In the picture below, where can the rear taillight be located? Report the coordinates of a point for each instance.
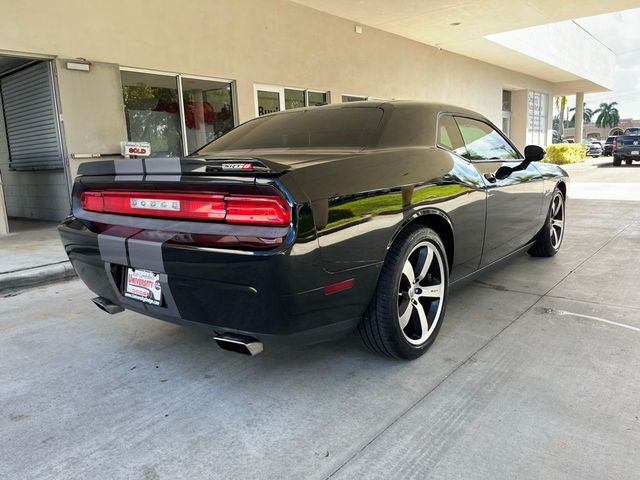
(247, 209)
(254, 209)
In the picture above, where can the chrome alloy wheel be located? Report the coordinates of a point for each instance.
(421, 293)
(557, 220)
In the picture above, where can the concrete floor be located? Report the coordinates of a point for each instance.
(31, 243)
(535, 374)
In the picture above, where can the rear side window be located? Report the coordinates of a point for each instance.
(449, 136)
(483, 142)
(316, 127)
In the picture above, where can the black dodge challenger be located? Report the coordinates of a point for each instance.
(305, 225)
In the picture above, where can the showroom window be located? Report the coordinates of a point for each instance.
(270, 99)
(537, 119)
(353, 98)
(176, 114)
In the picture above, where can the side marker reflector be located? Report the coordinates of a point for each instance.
(338, 286)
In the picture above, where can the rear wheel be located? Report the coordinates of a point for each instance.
(628, 162)
(549, 239)
(617, 161)
(406, 312)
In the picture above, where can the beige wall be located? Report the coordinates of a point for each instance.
(267, 41)
(93, 111)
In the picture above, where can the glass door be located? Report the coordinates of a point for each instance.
(152, 112)
(208, 110)
(506, 123)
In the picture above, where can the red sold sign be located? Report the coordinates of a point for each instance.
(141, 149)
(137, 151)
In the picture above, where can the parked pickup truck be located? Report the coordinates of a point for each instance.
(627, 148)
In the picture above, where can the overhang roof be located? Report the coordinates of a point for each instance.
(433, 23)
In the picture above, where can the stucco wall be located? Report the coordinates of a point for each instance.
(270, 41)
(93, 111)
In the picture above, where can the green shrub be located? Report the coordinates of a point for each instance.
(563, 153)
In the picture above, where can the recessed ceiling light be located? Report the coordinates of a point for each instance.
(454, 24)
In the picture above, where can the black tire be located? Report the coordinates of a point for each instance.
(628, 162)
(547, 243)
(380, 328)
(617, 161)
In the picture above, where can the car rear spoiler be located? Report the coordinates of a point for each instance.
(183, 166)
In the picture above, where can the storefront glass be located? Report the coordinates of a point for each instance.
(293, 98)
(268, 102)
(316, 98)
(537, 119)
(152, 112)
(208, 111)
(273, 98)
(352, 98)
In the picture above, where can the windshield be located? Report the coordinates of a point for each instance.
(315, 127)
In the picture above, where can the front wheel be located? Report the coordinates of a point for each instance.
(628, 162)
(549, 239)
(617, 161)
(405, 315)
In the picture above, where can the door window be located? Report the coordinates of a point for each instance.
(483, 142)
(449, 136)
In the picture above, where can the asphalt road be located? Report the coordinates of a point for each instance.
(535, 374)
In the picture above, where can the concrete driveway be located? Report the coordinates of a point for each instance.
(535, 374)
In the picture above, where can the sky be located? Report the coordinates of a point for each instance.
(620, 32)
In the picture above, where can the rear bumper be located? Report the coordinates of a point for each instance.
(276, 296)
(626, 154)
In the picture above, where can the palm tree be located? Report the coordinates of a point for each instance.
(608, 115)
(561, 105)
(586, 115)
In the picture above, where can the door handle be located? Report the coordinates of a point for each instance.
(490, 177)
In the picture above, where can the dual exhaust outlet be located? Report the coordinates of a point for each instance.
(230, 342)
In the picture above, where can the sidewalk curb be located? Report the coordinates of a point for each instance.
(37, 276)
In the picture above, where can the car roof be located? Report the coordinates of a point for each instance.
(434, 107)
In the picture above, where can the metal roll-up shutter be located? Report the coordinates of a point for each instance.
(31, 119)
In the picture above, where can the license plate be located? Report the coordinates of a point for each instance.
(143, 285)
(635, 152)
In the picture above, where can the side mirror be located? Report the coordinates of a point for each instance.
(533, 153)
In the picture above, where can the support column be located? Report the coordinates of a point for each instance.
(579, 117)
(4, 223)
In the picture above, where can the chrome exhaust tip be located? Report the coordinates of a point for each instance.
(107, 306)
(239, 344)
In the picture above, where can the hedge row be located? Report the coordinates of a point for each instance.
(563, 153)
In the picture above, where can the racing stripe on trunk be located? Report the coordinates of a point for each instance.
(163, 169)
(129, 169)
(145, 251)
